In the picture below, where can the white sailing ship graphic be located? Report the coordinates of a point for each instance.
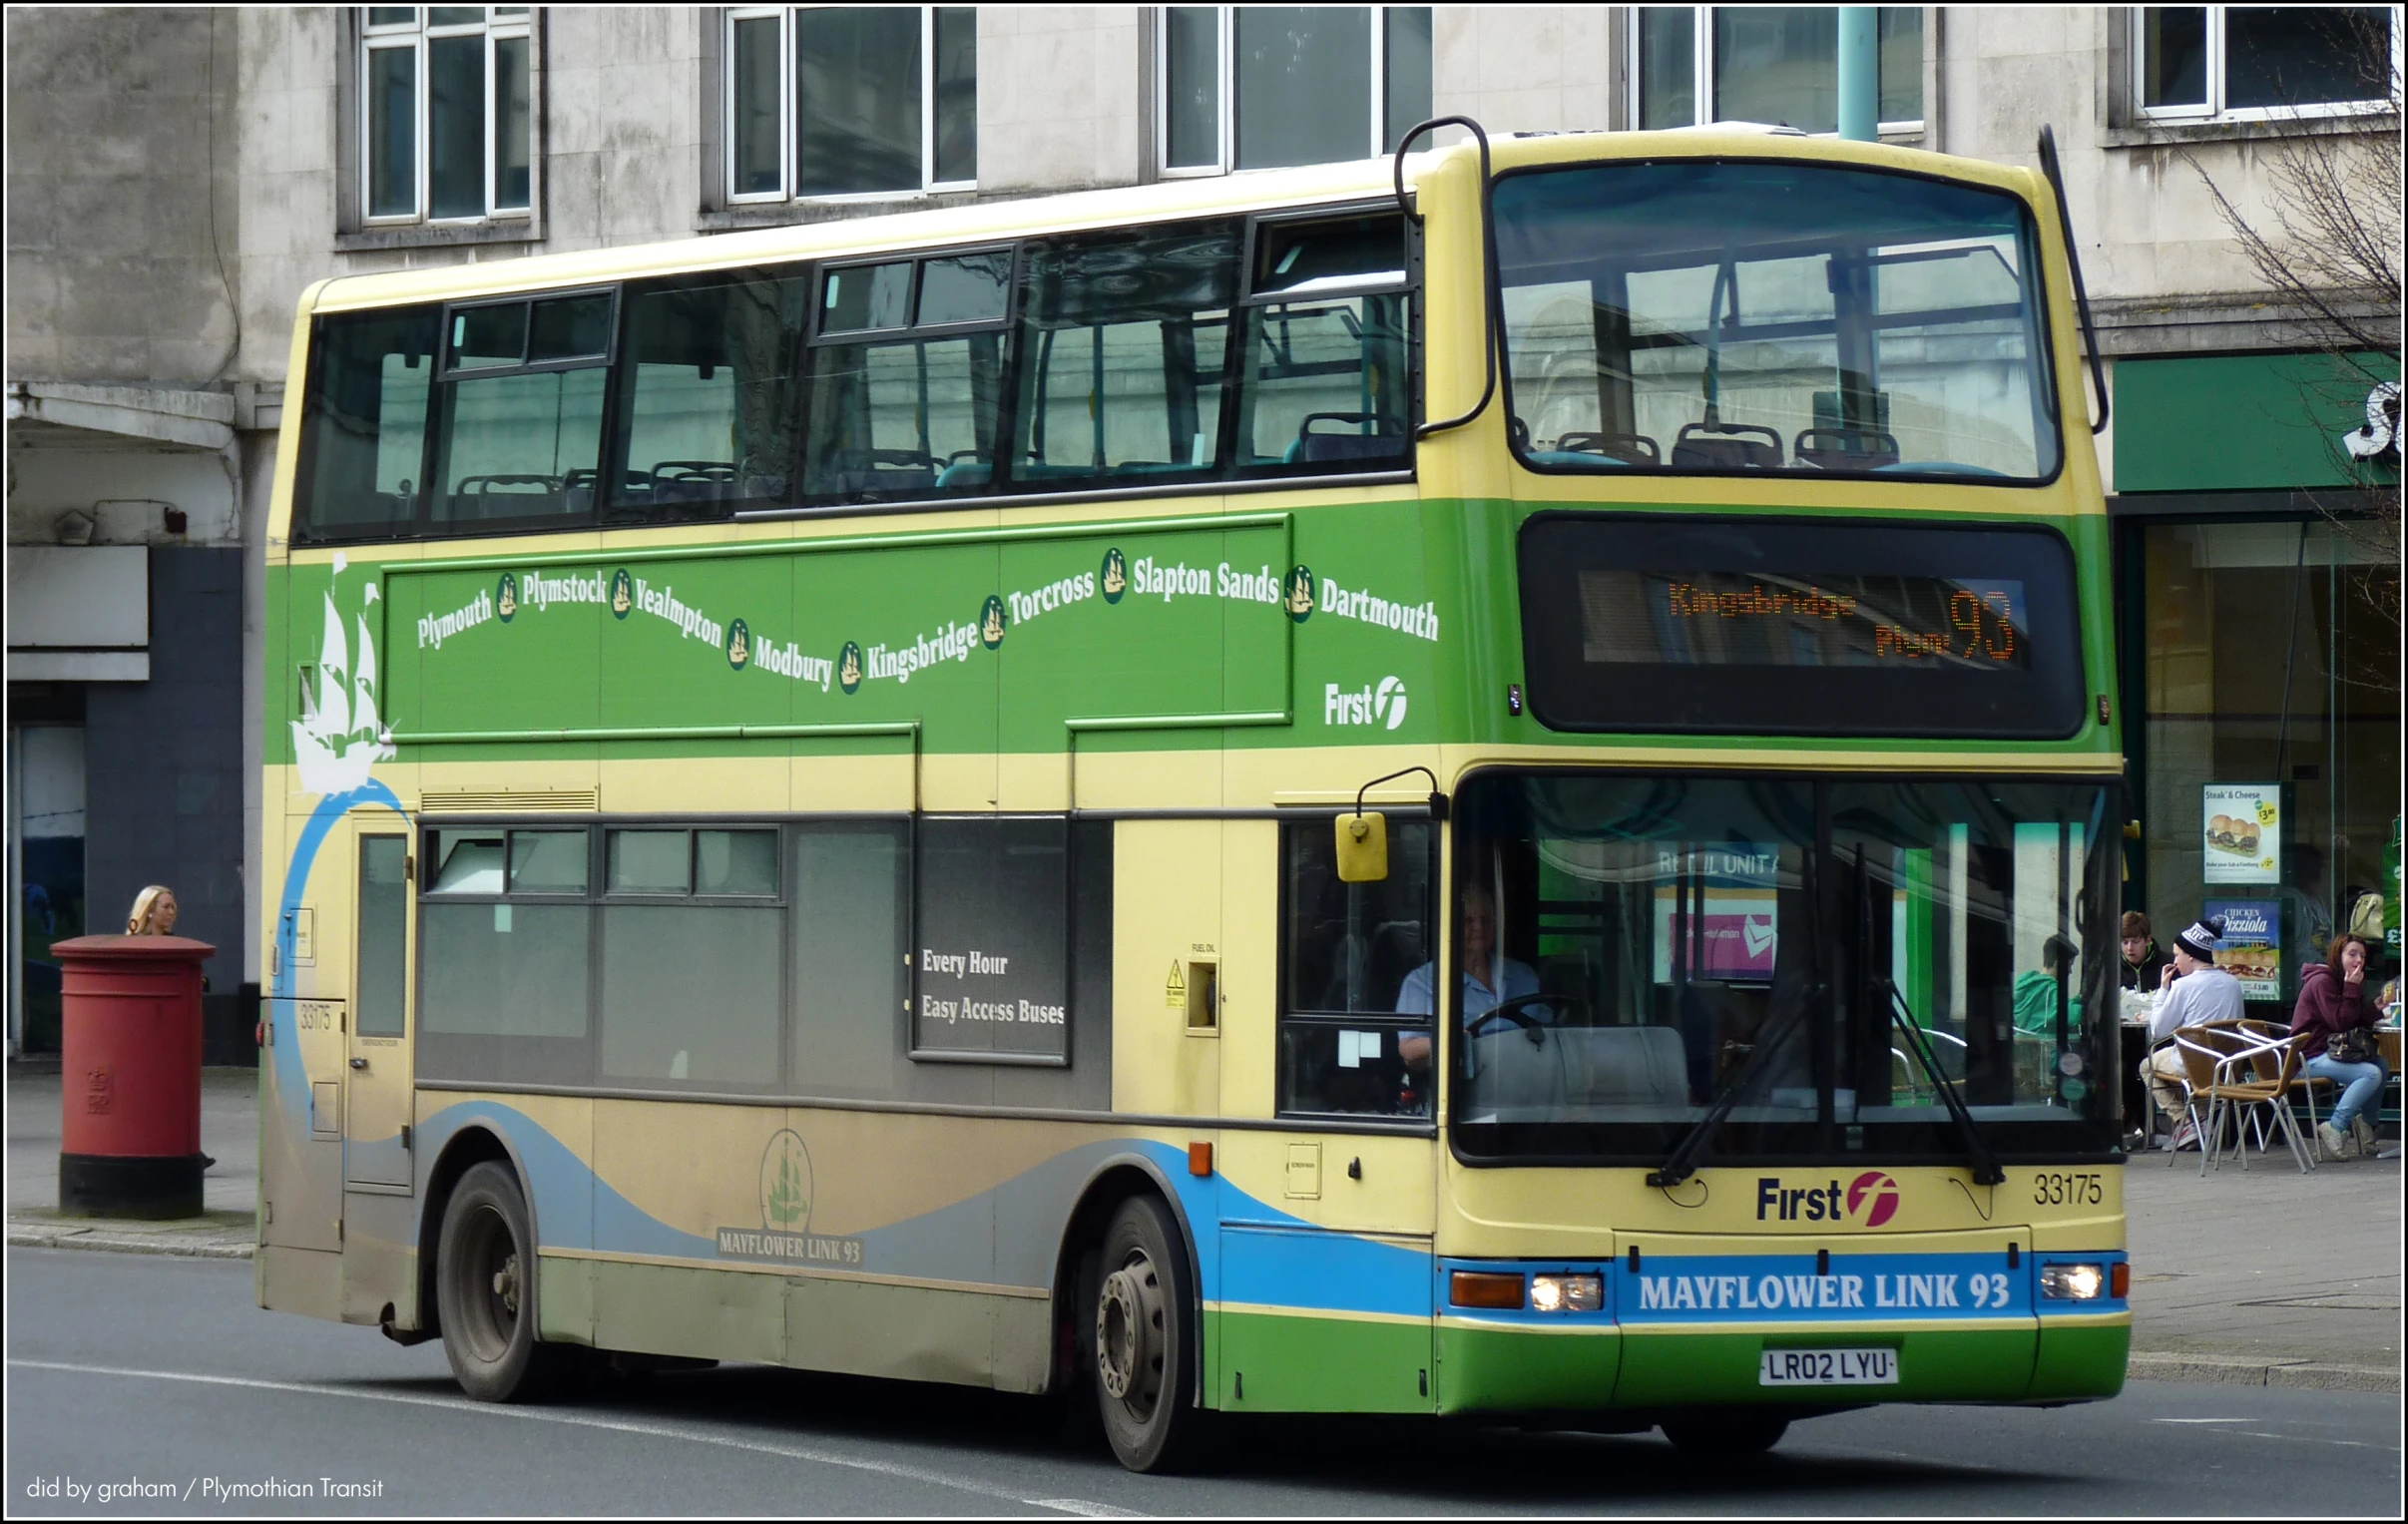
(339, 736)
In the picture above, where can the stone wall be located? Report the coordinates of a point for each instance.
(121, 204)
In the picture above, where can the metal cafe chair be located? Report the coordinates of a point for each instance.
(2222, 1063)
(2304, 1083)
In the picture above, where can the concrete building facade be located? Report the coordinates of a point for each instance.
(178, 178)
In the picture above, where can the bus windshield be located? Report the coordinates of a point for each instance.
(1822, 955)
(1704, 316)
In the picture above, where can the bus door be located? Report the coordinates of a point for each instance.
(301, 1089)
(376, 1078)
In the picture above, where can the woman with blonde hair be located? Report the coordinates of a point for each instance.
(154, 913)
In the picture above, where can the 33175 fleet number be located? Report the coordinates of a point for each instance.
(2057, 1188)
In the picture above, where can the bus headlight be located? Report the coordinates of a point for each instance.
(1567, 1293)
(2073, 1283)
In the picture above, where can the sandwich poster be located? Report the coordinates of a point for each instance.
(2251, 949)
(2242, 833)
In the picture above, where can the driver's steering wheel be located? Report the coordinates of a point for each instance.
(1532, 1027)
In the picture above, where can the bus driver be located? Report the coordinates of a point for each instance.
(1489, 980)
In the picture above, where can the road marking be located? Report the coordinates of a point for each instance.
(1077, 1506)
(2355, 1444)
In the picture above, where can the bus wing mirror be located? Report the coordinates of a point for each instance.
(1363, 847)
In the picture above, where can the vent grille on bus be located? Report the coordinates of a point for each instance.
(439, 801)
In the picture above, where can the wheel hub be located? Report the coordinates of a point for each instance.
(505, 1283)
(1128, 1322)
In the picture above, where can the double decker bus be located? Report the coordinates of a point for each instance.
(1477, 787)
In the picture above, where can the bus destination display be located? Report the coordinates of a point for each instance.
(1745, 625)
(1722, 618)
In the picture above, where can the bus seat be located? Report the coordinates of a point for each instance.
(965, 473)
(1624, 1066)
(1935, 468)
(1517, 1079)
(1728, 447)
(1621, 448)
(693, 481)
(1573, 458)
(1846, 449)
(1311, 448)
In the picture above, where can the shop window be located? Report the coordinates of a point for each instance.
(706, 397)
(447, 113)
(1773, 64)
(850, 100)
(1261, 87)
(2243, 63)
(1359, 1002)
(2270, 660)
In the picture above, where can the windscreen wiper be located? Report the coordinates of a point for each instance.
(1683, 1162)
(1977, 1148)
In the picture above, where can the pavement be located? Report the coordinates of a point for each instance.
(2260, 1276)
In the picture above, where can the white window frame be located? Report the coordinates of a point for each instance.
(414, 34)
(1226, 87)
(789, 123)
(1701, 65)
(2213, 108)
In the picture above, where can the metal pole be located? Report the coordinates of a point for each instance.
(1859, 73)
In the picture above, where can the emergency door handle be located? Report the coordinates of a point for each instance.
(359, 1063)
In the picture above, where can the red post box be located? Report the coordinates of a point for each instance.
(130, 1071)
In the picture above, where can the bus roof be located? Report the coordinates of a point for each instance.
(1206, 195)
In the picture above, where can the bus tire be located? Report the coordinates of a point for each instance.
(1730, 1433)
(485, 1289)
(1145, 1342)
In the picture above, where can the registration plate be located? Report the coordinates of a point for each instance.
(1828, 1367)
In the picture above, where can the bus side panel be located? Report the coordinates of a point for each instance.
(301, 1280)
(915, 1333)
(688, 1310)
(1166, 879)
(1487, 1368)
(1310, 1321)
(379, 1255)
(2083, 1357)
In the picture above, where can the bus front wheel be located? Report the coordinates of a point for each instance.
(1144, 1341)
(1729, 1434)
(485, 1292)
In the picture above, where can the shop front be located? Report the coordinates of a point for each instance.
(2258, 585)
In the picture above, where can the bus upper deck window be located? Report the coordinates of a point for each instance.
(363, 449)
(1712, 316)
(1352, 253)
(861, 297)
(570, 327)
(966, 288)
(490, 335)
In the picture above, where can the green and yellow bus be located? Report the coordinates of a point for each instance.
(1477, 787)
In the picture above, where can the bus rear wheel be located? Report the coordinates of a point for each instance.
(485, 1292)
(1730, 1434)
(1145, 1340)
